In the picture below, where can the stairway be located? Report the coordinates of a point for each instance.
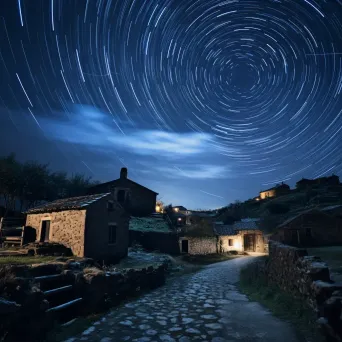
(64, 303)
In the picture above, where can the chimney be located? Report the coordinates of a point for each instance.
(123, 173)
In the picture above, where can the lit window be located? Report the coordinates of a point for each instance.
(112, 233)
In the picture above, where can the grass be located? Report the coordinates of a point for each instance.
(25, 260)
(281, 304)
(149, 224)
(207, 259)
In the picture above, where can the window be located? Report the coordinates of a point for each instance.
(308, 232)
(230, 242)
(110, 205)
(112, 234)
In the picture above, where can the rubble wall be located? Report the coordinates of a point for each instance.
(308, 277)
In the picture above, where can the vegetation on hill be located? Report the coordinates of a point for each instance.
(273, 211)
(149, 224)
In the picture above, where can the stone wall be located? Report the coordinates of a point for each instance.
(307, 277)
(200, 245)
(66, 227)
(23, 304)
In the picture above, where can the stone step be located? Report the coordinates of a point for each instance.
(57, 290)
(65, 305)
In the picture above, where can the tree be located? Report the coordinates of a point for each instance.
(78, 185)
(9, 180)
(33, 181)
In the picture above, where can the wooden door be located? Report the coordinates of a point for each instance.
(45, 232)
(249, 242)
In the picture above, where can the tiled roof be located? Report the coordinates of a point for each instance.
(223, 230)
(245, 225)
(296, 216)
(67, 204)
(332, 207)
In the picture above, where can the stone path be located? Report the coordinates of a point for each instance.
(205, 306)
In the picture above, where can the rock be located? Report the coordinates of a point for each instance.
(323, 290)
(8, 307)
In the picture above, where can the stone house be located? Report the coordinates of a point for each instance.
(304, 183)
(241, 236)
(275, 191)
(94, 226)
(312, 227)
(135, 198)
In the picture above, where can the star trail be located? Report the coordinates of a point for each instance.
(223, 96)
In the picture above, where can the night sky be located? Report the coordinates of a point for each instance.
(204, 101)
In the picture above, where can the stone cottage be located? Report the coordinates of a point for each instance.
(278, 190)
(94, 226)
(313, 227)
(135, 198)
(241, 236)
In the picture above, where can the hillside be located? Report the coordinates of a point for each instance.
(274, 211)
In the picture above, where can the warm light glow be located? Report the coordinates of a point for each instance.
(158, 209)
(176, 210)
(179, 219)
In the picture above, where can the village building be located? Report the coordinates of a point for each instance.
(94, 226)
(304, 183)
(313, 227)
(241, 236)
(278, 190)
(135, 198)
(182, 215)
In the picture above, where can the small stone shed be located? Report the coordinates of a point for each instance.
(241, 236)
(313, 227)
(94, 226)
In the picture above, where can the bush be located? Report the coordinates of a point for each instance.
(278, 208)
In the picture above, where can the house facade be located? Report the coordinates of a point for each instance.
(135, 198)
(275, 191)
(94, 226)
(241, 236)
(313, 227)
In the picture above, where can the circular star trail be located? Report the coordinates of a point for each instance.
(263, 78)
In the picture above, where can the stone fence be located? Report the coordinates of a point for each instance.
(307, 277)
(24, 310)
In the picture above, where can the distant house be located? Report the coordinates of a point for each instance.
(241, 236)
(94, 226)
(135, 198)
(312, 227)
(275, 191)
(322, 181)
(182, 215)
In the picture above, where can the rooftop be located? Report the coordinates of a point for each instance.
(149, 224)
(71, 203)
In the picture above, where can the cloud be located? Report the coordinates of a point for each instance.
(90, 127)
(202, 171)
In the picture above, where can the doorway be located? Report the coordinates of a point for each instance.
(121, 196)
(185, 246)
(249, 242)
(45, 232)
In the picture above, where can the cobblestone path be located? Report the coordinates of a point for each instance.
(204, 306)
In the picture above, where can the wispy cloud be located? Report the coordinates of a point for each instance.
(88, 126)
(203, 171)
